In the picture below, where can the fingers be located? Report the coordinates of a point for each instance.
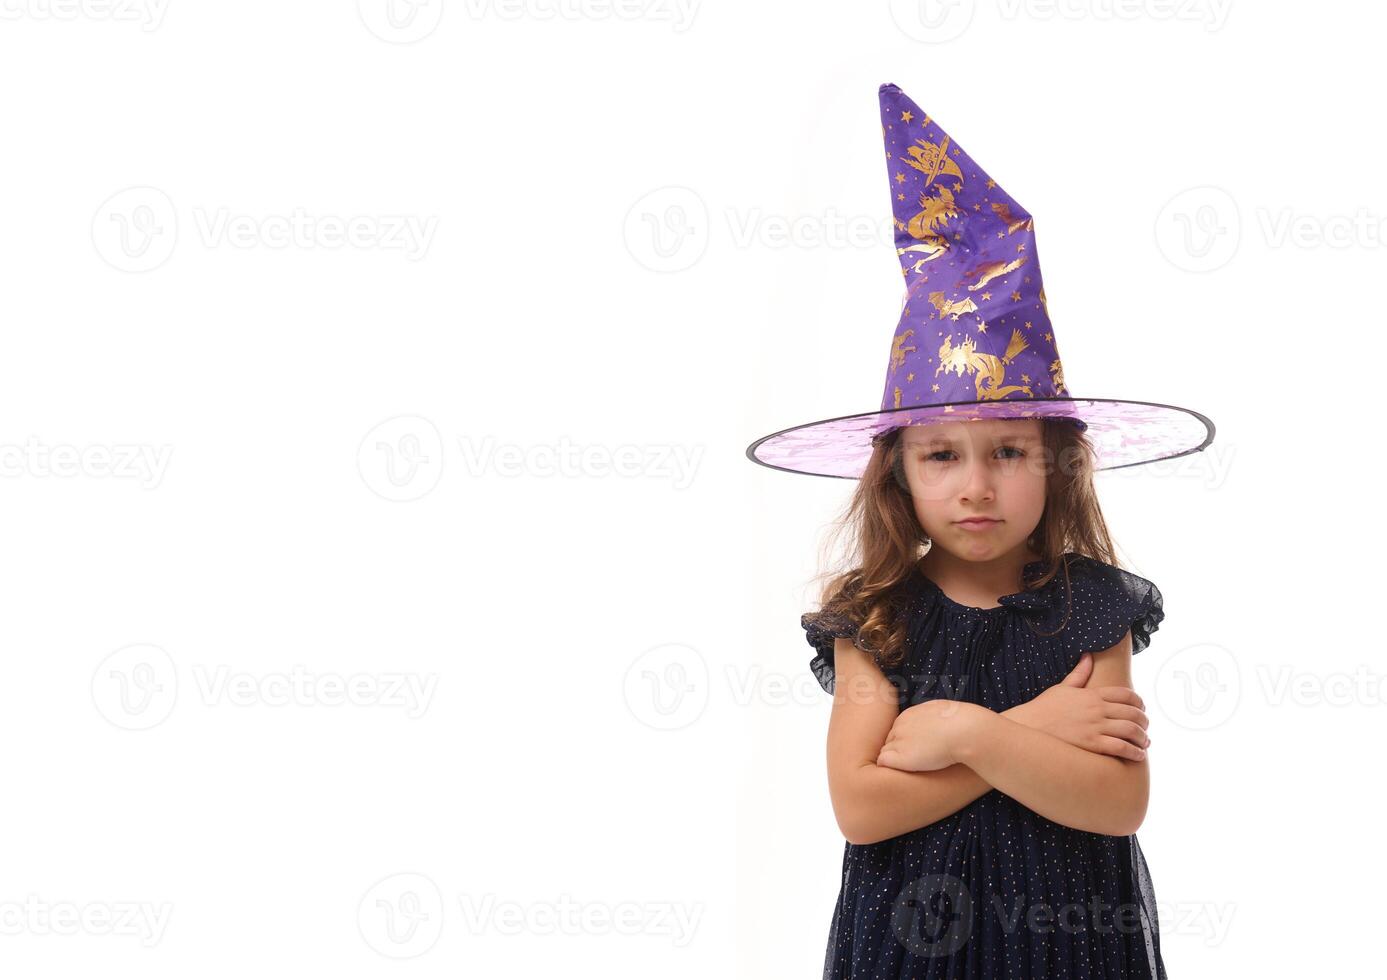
(886, 747)
(1120, 748)
(1125, 712)
(1129, 731)
(1078, 677)
(1123, 695)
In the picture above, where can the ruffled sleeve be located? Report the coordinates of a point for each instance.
(1108, 601)
(820, 631)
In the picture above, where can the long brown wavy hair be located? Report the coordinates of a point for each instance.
(885, 536)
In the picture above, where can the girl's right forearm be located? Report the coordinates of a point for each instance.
(885, 803)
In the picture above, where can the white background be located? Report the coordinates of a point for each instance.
(502, 461)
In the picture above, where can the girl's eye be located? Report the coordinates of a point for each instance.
(933, 457)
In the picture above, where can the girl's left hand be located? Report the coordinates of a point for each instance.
(923, 736)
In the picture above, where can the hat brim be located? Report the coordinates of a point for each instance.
(1123, 433)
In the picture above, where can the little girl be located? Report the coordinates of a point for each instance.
(986, 751)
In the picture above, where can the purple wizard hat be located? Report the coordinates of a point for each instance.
(974, 339)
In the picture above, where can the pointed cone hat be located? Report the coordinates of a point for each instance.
(974, 339)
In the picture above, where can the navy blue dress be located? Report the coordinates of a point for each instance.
(995, 890)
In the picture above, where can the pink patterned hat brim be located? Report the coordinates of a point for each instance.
(1123, 433)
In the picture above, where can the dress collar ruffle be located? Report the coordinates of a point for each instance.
(1041, 604)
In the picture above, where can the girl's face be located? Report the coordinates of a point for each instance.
(991, 468)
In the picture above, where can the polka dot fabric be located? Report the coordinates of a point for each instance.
(995, 890)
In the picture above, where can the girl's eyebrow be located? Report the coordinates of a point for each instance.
(934, 441)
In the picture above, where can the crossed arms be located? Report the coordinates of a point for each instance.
(1074, 754)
